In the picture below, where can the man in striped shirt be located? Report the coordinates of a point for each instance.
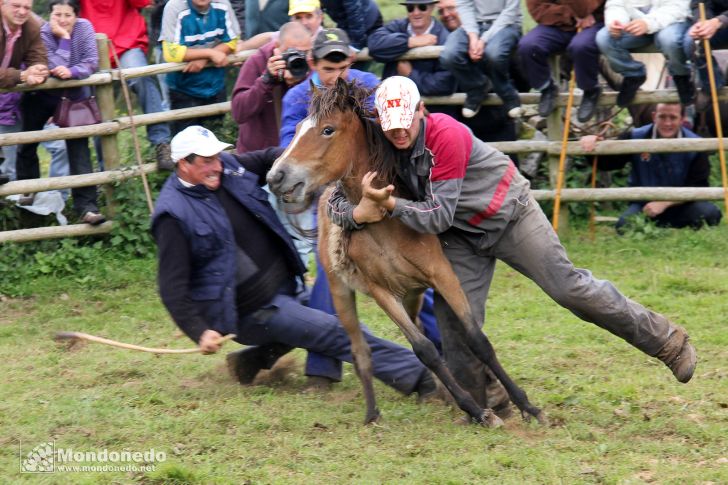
(475, 199)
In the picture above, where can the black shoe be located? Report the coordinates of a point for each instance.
(629, 88)
(245, 364)
(549, 95)
(473, 102)
(588, 104)
(4, 178)
(685, 89)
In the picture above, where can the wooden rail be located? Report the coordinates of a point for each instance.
(111, 126)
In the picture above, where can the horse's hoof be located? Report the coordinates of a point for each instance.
(490, 420)
(372, 417)
(536, 413)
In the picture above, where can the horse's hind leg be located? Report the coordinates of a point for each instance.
(427, 353)
(447, 284)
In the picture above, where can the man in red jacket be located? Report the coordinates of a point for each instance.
(123, 23)
(261, 84)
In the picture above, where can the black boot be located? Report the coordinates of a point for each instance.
(588, 104)
(685, 89)
(549, 95)
(630, 86)
(244, 364)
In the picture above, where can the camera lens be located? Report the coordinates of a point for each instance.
(296, 63)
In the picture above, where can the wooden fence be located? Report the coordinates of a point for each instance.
(111, 126)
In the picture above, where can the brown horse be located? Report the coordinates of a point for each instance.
(386, 260)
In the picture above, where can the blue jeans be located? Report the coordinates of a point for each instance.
(718, 41)
(471, 76)
(161, 78)
(59, 159)
(285, 320)
(690, 214)
(669, 41)
(10, 152)
(148, 94)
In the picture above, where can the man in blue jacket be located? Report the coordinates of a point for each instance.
(331, 58)
(419, 29)
(227, 265)
(687, 169)
(358, 18)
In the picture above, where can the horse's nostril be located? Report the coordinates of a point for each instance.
(275, 177)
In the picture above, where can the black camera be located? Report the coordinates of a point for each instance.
(295, 62)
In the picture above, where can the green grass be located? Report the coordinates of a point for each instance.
(616, 415)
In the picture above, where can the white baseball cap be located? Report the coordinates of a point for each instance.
(396, 101)
(198, 140)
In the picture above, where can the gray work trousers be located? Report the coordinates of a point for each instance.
(529, 245)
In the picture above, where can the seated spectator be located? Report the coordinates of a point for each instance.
(419, 29)
(714, 29)
(558, 23)
(479, 52)
(22, 60)
(358, 18)
(331, 58)
(308, 13)
(123, 23)
(72, 54)
(492, 123)
(263, 81)
(264, 16)
(688, 169)
(198, 32)
(634, 24)
(226, 265)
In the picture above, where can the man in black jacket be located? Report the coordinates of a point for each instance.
(227, 265)
(715, 29)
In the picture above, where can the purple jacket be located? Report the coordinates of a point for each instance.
(79, 54)
(252, 103)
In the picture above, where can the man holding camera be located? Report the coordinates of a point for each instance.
(198, 32)
(263, 80)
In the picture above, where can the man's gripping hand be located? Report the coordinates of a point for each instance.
(210, 341)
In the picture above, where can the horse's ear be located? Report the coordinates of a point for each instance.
(314, 88)
(342, 85)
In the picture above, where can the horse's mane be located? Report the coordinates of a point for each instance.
(352, 96)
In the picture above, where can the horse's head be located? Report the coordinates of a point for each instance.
(325, 145)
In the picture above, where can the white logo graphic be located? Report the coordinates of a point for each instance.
(40, 459)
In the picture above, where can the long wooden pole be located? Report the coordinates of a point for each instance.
(562, 155)
(593, 205)
(716, 111)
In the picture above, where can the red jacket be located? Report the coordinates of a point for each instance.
(561, 13)
(120, 20)
(252, 103)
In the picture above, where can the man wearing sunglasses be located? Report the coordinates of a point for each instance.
(419, 29)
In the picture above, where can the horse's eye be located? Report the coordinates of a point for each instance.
(327, 131)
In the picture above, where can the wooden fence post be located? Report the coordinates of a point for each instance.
(555, 132)
(107, 106)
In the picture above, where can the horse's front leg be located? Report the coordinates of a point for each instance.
(427, 353)
(345, 304)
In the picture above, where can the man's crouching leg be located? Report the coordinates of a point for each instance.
(244, 364)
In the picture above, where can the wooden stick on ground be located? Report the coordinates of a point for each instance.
(716, 110)
(122, 345)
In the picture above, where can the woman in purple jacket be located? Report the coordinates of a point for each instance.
(72, 54)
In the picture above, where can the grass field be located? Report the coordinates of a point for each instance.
(616, 415)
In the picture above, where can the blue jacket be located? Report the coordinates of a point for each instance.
(661, 169)
(295, 102)
(389, 42)
(211, 239)
(357, 17)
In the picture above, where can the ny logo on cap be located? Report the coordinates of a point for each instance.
(394, 103)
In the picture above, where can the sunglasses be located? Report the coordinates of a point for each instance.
(420, 7)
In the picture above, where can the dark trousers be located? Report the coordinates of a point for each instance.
(689, 214)
(37, 108)
(287, 321)
(543, 41)
(178, 100)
